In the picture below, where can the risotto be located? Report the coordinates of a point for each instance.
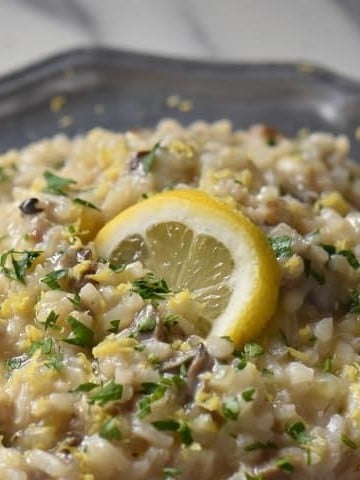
(105, 375)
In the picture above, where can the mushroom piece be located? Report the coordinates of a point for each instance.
(202, 362)
(139, 324)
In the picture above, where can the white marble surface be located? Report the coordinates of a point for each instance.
(326, 32)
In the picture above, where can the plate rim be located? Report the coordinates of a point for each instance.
(107, 56)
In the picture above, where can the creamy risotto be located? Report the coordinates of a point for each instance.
(103, 374)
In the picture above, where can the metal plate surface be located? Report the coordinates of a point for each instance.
(120, 90)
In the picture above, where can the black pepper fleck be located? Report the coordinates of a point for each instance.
(29, 206)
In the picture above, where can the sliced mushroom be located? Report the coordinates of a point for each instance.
(180, 358)
(202, 362)
(137, 326)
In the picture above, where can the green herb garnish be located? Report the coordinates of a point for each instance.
(55, 184)
(110, 430)
(170, 473)
(330, 249)
(348, 254)
(85, 387)
(310, 272)
(148, 159)
(249, 352)
(47, 348)
(151, 288)
(155, 391)
(260, 446)
(248, 395)
(146, 324)
(231, 408)
(85, 203)
(354, 303)
(51, 280)
(82, 335)
(76, 301)
(350, 257)
(167, 425)
(297, 431)
(185, 433)
(15, 263)
(249, 476)
(109, 393)
(282, 246)
(285, 465)
(327, 365)
(348, 442)
(114, 326)
(117, 268)
(50, 321)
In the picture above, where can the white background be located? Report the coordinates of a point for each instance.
(326, 32)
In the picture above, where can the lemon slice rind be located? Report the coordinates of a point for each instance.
(255, 277)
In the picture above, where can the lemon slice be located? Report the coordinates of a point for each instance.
(199, 244)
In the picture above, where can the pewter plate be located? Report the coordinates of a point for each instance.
(120, 90)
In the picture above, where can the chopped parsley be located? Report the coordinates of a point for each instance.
(310, 272)
(156, 391)
(231, 408)
(348, 442)
(114, 326)
(348, 254)
(108, 393)
(248, 395)
(171, 320)
(51, 320)
(85, 387)
(185, 434)
(51, 280)
(167, 425)
(117, 268)
(15, 263)
(330, 249)
(146, 324)
(110, 430)
(170, 473)
(297, 431)
(285, 465)
(282, 246)
(249, 476)
(249, 352)
(47, 348)
(85, 203)
(151, 288)
(56, 185)
(350, 257)
(81, 335)
(327, 365)
(354, 303)
(148, 159)
(76, 301)
(250, 447)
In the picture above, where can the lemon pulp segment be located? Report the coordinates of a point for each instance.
(199, 244)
